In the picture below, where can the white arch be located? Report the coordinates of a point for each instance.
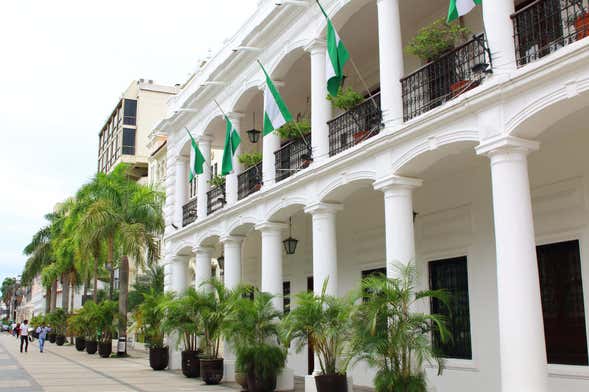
(249, 85)
(282, 204)
(288, 49)
(208, 234)
(239, 222)
(180, 246)
(346, 180)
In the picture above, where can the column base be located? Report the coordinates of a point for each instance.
(229, 370)
(285, 380)
(310, 385)
(175, 362)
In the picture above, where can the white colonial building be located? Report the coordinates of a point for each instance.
(474, 166)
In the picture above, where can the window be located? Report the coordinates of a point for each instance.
(561, 288)
(130, 112)
(286, 297)
(452, 275)
(128, 141)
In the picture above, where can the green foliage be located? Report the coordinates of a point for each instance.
(346, 99)
(106, 320)
(57, 320)
(214, 308)
(263, 360)
(434, 40)
(392, 337)
(325, 321)
(250, 159)
(37, 321)
(294, 129)
(8, 287)
(217, 181)
(86, 320)
(182, 316)
(153, 279)
(149, 317)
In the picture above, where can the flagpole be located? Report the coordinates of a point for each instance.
(219, 106)
(364, 83)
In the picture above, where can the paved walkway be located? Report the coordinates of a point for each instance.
(63, 369)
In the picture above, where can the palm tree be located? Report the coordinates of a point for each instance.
(8, 288)
(129, 217)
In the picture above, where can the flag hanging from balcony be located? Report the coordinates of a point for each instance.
(276, 113)
(338, 56)
(232, 141)
(460, 8)
(197, 160)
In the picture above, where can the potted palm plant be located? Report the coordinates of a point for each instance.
(89, 318)
(106, 317)
(393, 338)
(59, 325)
(77, 327)
(325, 322)
(148, 318)
(253, 331)
(182, 317)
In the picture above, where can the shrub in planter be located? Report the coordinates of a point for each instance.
(77, 327)
(60, 340)
(217, 181)
(106, 316)
(250, 159)
(264, 362)
(392, 338)
(433, 41)
(58, 323)
(346, 99)
(85, 323)
(51, 336)
(294, 129)
(105, 349)
(91, 347)
(80, 343)
(325, 322)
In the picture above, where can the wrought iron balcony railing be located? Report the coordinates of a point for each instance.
(355, 125)
(189, 212)
(250, 181)
(294, 156)
(545, 26)
(216, 199)
(446, 78)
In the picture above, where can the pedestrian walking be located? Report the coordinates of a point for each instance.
(17, 330)
(42, 332)
(24, 335)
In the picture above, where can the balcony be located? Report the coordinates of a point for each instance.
(355, 125)
(446, 78)
(215, 199)
(249, 182)
(294, 156)
(545, 26)
(189, 212)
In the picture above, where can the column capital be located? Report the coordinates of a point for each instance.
(180, 259)
(277, 83)
(323, 208)
(505, 144)
(204, 139)
(232, 239)
(395, 182)
(235, 115)
(203, 250)
(271, 227)
(179, 159)
(316, 45)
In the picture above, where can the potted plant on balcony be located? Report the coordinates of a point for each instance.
(148, 319)
(182, 317)
(252, 329)
(325, 322)
(392, 337)
(106, 318)
(346, 100)
(581, 20)
(294, 129)
(433, 42)
(250, 159)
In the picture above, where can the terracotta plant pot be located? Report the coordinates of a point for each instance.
(582, 26)
(158, 358)
(105, 349)
(332, 383)
(255, 384)
(60, 340)
(91, 347)
(241, 379)
(191, 363)
(80, 343)
(211, 370)
(360, 136)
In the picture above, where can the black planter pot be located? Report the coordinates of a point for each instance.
(256, 384)
(35, 335)
(80, 343)
(60, 340)
(91, 347)
(241, 379)
(158, 358)
(211, 370)
(332, 383)
(191, 363)
(105, 349)
(51, 337)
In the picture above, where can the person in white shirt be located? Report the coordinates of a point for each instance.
(24, 335)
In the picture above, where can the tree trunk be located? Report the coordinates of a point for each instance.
(112, 267)
(72, 292)
(53, 296)
(123, 294)
(47, 300)
(85, 295)
(65, 292)
(95, 294)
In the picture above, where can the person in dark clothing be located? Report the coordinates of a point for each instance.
(24, 335)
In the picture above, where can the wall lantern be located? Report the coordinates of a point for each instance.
(290, 244)
(254, 134)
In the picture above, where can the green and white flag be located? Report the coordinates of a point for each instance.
(460, 8)
(197, 160)
(276, 113)
(232, 141)
(338, 56)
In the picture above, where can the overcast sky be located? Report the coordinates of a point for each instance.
(63, 66)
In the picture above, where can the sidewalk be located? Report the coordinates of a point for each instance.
(63, 369)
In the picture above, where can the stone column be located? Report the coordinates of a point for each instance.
(272, 260)
(499, 31)
(178, 266)
(321, 111)
(391, 54)
(231, 181)
(270, 144)
(399, 230)
(204, 144)
(521, 327)
(324, 246)
(180, 188)
(203, 265)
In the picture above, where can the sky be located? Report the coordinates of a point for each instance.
(63, 67)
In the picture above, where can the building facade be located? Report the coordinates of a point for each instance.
(472, 166)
